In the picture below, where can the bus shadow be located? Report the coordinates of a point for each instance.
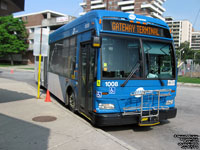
(134, 127)
(44, 91)
(22, 135)
(58, 100)
(10, 96)
(163, 122)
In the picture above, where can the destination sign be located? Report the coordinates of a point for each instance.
(124, 26)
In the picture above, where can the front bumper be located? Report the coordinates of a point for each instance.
(119, 119)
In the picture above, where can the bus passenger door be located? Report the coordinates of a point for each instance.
(86, 77)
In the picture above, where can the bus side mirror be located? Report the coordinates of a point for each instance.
(96, 41)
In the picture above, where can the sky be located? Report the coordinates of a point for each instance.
(178, 9)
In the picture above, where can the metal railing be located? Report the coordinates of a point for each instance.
(148, 103)
(190, 68)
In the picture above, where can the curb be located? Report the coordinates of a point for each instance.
(188, 84)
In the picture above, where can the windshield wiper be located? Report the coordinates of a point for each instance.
(161, 82)
(131, 74)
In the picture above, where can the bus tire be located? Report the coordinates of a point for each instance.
(72, 101)
(67, 99)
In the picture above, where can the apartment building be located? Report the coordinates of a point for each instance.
(44, 19)
(181, 30)
(151, 8)
(195, 43)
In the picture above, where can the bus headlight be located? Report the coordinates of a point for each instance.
(106, 106)
(169, 102)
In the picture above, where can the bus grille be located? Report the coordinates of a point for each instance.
(147, 101)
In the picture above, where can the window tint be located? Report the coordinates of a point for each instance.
(63, 57)
(159, 60)
(120, 56)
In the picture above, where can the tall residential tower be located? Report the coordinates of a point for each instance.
(181, 30)
(151, 8)
(195, 43)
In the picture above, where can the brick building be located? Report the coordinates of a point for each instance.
(151, 8)
(45, 19)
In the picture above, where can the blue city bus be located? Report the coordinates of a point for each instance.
(114, 68)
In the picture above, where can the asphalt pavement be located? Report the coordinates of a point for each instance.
(30, 123)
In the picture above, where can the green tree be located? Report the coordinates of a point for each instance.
(13, 36)
(197, 56)
(184, 51)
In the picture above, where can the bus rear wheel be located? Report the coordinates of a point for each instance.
(72, 102)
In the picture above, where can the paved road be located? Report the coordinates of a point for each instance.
(19, 75)
(160, 137)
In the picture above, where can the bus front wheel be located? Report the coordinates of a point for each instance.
(72, 102)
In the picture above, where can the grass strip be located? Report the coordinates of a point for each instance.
(188, 80)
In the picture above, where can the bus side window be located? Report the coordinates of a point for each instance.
(65, 55)
(62, 58)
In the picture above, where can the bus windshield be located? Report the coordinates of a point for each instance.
(159, 60)
(121, 55)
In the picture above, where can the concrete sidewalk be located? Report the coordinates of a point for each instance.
(18, 106)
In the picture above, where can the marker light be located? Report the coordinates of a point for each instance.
(169, 102)
(106, 106)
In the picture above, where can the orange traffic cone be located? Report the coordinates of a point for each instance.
(11, 71)
(48, 99)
